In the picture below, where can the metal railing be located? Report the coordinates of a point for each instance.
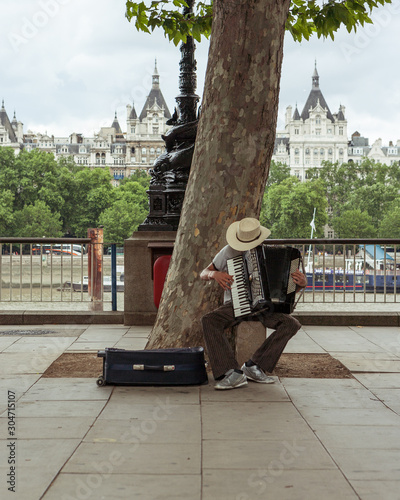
(349, 270)
(58, 271)
(49, 272)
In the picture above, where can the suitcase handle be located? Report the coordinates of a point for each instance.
(157, 368)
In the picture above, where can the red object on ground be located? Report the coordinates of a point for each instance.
(160, 270)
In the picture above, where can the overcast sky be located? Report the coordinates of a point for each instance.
(68, 65)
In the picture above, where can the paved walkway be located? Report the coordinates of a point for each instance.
(297, 439)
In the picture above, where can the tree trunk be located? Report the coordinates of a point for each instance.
(234, 145)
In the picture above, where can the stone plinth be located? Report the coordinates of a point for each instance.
(140, 253)
(249, 336)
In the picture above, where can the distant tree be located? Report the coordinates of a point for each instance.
(374, 199)
(121, 220)
(289, 206)
(354, 224)
(6, 212)
(390, 224)
(37, 220)
(93, 193)
(278, 172)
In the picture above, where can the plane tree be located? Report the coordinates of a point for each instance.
(236, 132)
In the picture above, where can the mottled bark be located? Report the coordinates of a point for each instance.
(234, 145)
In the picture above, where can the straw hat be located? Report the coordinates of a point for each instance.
(246, 234)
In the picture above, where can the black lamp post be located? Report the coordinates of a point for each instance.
(170, 171)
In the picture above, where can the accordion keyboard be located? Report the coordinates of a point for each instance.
(240, 298)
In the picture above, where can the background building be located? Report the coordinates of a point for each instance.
(309, 138)
(317, 135)
(121, 152)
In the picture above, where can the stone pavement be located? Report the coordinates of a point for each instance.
(298, 439)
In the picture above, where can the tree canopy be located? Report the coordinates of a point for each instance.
(305, 18)
(42, 196)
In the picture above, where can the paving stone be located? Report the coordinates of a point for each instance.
(374, 362)
(37, 465)
(162, 409)
(53, 428)
(359, 436)
(368, 464)
(377, 416)
(150, 431)
(329, 393)
(18, 363)
(141, 458)
(260, 421)
(7, 342)
(59, 408)
(379, 380)
(125, 486)
(390, 397)
(71, 389)
(302, 343)
(43, 345)
(373, 490)
(293, 454)
(132, 343)
(274, 480)
(86, 346)
(136, 395)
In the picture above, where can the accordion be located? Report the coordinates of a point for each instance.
(263, 279)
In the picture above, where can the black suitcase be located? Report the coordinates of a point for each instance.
(181, 366)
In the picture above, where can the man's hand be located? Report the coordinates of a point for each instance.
(300, 279)
(225, 280)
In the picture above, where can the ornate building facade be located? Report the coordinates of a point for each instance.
(318, 135)
(121, 152)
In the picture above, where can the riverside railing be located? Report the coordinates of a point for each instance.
(58, 270)
(349, 270)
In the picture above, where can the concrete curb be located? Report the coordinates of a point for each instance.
(348, 319)
(61, 317)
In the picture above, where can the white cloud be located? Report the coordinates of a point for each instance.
(68, 65)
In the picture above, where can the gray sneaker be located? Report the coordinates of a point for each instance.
(232, 380)
(256, 374)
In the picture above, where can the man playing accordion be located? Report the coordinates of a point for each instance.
(241, 237)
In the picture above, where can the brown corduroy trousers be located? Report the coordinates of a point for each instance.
(221, 355)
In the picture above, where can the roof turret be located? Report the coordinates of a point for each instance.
(315, 98)
(155, 97)
(115, 125)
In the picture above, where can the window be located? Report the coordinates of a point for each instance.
(329, 130)
(103, 158)
(318, 120)
(341, 151)
(133, 130)
(307, 151)
(340, 130)
(317, 131)
(155, 116)
(296, 151)
(97, 158)
(322, 151)
(82, 149)
(152, 151)
(155, 130)
(330, 152)
(315, 152)
(296, 131)
(144, 151)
